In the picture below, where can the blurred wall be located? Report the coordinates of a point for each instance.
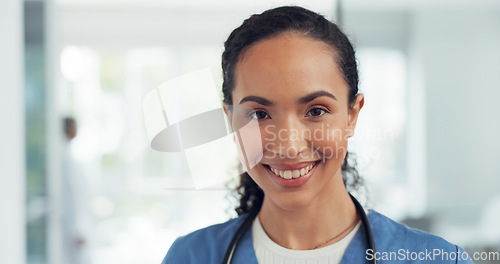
(454, 86)
(460, 56)
(12, 135)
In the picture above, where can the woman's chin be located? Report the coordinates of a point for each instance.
(291, 201)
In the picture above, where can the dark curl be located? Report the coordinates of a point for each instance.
(270, 24)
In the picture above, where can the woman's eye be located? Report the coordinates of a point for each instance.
(259, 115)
(316, 112)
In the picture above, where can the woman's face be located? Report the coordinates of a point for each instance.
(293, 87)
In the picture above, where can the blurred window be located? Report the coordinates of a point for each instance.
(36, 90)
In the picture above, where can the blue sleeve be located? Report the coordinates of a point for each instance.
(207, 245)
(177, 253)
(417, 246)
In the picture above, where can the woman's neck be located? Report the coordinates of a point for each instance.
(326, 216)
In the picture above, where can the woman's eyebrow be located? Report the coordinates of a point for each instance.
(257, 99)
(302, 100)
(308, 98)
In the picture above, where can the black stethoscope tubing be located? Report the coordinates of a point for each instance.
(251, 217)
(366, 226)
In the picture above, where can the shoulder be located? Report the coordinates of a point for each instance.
(206, 245)
(391, 236)
(393, 231)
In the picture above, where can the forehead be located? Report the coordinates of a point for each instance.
(287, 66)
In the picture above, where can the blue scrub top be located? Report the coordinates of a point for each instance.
(394, 242)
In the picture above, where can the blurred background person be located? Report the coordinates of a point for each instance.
(76, 213)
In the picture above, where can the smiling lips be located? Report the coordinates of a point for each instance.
(291, 171)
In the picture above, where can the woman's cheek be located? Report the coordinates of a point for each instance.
(248, 140)
(329, 143)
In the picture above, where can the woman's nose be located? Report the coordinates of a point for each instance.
(291, 138)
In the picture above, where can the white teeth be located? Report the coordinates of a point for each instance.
(289, 174)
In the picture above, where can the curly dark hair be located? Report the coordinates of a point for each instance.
(270, 24)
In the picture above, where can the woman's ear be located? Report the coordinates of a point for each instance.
(227, 111)
(354, 113)
(229, 114)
